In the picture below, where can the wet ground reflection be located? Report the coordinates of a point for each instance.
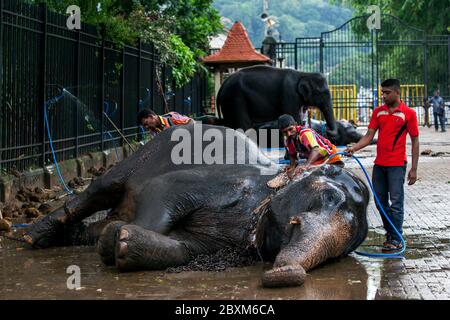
(38, 274)
(41, 274)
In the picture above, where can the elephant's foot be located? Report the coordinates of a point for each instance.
(48, 231)
(286, 276)
(107, 242)
(139, 249)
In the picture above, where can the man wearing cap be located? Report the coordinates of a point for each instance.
(307, 144)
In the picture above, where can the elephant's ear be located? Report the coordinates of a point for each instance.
(312, 84)
(305, 89)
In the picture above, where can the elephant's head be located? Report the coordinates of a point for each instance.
(318, 216)
(314, 91)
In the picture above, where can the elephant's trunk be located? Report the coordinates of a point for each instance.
(310, 244)
(328, 114)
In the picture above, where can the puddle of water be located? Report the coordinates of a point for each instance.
(41, 274)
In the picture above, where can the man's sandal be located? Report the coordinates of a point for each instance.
(390, 246)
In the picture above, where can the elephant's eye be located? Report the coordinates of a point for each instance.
(331, 197)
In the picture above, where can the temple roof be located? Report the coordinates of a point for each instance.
(237, 49)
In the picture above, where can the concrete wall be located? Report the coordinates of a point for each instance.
(48, 177)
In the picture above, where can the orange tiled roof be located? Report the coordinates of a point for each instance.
(237, 48)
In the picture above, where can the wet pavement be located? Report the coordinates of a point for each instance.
(424, 273)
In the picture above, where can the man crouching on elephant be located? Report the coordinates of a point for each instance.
(306, 143)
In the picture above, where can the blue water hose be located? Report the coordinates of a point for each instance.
(106, 105)
(141, 106)
(46, 104)
(324, 127)
(20, 225)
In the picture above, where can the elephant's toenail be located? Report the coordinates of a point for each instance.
(28, 239)
(123, 248)
(123, 234)
(120, 264)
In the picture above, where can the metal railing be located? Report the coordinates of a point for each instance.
(78, 76)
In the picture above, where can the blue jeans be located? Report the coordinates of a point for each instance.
(439, 117)
(388, 185)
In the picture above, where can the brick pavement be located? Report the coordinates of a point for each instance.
(425, 271)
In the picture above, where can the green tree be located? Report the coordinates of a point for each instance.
(433, 16)
(408, 62)
(179, 29)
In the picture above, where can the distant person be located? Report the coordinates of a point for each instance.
(437, 102)
(157, 123)
(269, 47)
(394, 120)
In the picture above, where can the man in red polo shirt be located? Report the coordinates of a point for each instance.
(393, 120)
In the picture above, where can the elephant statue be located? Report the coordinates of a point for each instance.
(260, 94)
(163, 213)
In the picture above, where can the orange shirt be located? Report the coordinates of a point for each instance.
(305, 140)
(171, 119)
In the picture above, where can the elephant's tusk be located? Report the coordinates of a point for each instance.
(295, 221)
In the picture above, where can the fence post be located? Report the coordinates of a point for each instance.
(164, 88)
(295, 55)
(153, 75)
(77, 90)
(139, 82)
(321, 54)
(102, 81)
(425, 64)
(448, 63)
(122, 98)
(43, 79)
(1, 78)
(139, 70)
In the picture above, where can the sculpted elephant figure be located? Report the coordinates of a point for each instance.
(164, 214)
(260, 94)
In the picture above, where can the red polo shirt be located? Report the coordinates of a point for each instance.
(393, 127)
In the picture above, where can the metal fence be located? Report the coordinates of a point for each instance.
(356, 60)
(70, 79)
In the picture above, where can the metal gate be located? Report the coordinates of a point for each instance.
(356, 60)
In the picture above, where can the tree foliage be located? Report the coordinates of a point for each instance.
(179, 29)
(408, 62)
(433, 16)
(296, 18)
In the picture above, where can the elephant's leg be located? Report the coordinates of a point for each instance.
(140, 249)
(102, 194)
(236, 114)
(107, 242)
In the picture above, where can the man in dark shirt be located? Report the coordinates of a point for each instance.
(438, 110)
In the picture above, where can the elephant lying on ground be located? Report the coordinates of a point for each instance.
(346, 132)
(164, 214)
